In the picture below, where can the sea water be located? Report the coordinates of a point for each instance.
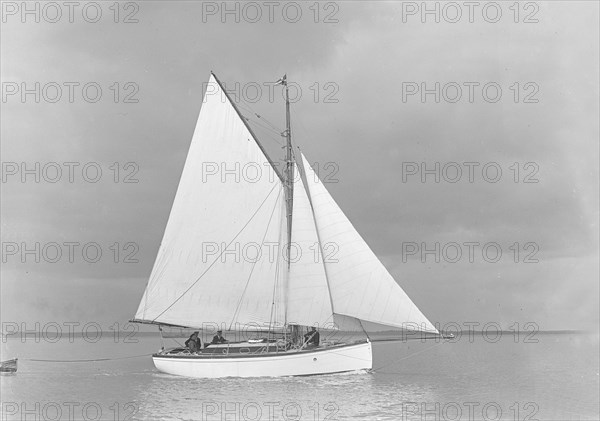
(472, 377)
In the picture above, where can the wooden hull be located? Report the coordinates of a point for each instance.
(333, 359)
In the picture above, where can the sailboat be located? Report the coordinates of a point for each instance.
(8, 366)
(251, 252)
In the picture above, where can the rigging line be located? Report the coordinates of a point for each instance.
(269, 130)
(85, 361)
(256, 123)
(408, 356)
(270, 125)
(248, 107)
(274, 127)
(302, 170)
(266, 132)
(219, 256)
(363, 328)
(177, 342)
(245, 108)
(254, 264)
(271, 317)
(270, 137)
(262, 126)
(271, 320)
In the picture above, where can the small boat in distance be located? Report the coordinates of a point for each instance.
(8, 366)
(251, 247)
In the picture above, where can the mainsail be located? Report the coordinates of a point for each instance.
(216, 262)
(205, 271)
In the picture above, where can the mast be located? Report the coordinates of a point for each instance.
(289, 168)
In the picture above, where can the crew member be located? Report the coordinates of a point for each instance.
(312, 337)
(218, 338)
(194, 343)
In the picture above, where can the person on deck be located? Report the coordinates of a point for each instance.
(194, 343)
(218, 338)
(312, 338)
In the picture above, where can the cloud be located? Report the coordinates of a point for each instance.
(368, 132)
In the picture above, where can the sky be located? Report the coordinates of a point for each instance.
(528, 79)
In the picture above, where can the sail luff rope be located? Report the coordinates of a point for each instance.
(219, 256)
(302, 170)
(235, 314)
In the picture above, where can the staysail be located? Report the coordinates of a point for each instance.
(359, 284)
(308, 297)
(223, 257)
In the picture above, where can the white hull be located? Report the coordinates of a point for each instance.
(333, 359)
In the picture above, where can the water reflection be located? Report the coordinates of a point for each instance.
(558, 375)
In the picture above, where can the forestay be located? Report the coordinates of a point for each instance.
(309, 301)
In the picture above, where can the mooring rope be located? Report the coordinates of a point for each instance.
(83, 361)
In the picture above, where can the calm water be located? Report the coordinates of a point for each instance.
(554, 379)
